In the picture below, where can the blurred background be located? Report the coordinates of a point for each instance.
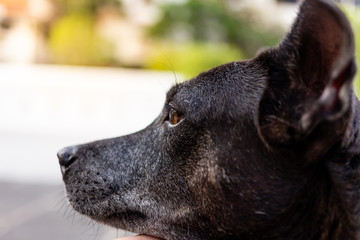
(72, 71)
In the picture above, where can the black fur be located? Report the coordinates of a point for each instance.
(268, 148)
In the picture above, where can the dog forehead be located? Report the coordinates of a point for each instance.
(234, 88)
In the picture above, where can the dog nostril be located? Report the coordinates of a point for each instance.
(67, 156)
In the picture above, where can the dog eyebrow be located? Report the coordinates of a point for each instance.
(172, 92)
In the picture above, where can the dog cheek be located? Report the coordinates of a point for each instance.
(205, 177)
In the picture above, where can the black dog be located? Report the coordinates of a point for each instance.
(260, 149)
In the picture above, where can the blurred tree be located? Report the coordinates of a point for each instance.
(191, 58)
(211, 21)
(73, 38)
(197, 35)
(354, 15)
(89, 6)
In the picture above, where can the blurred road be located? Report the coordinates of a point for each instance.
(37, 212)
(44, 108)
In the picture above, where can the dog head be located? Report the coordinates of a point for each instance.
(245, 150)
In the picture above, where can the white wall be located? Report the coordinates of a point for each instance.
(45, 108)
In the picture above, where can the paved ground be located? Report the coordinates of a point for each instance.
(45, 108)
(30, 211)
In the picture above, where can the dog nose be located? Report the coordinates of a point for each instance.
(67, 156)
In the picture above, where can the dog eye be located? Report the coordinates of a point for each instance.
(175, 117)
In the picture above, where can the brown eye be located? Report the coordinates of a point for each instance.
(175, 117)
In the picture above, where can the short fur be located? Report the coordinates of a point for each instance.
(268, 148)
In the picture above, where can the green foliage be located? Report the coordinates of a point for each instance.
(73, 40)
(89, 6)
(354, 16)
(201, 34)
(211, 21)
(191, 58)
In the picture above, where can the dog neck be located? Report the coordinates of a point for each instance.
(329, 207)
(345, 178)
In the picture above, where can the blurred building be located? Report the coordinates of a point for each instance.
(21, 34)
(25, 25)
(127, 31)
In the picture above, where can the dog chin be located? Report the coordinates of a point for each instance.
(134, 221)
(130, 220)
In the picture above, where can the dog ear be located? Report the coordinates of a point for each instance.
(310, 75)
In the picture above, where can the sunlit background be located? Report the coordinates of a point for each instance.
(72, 71)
